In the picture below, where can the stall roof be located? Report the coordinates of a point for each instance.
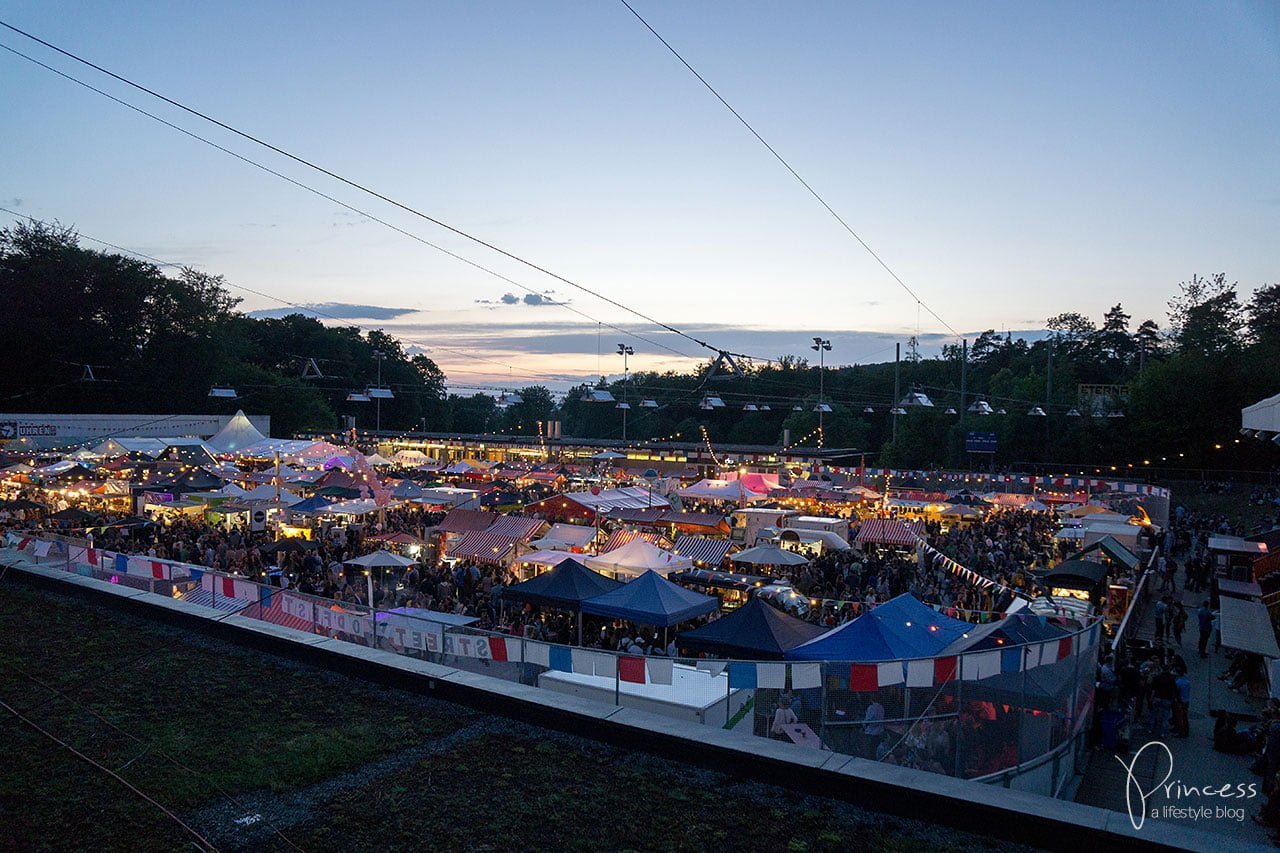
(888, 531)
(638, 558)
(1236, 545)
(1246, 625)
(566, 536)
(1113, 549)
(1239, 589)
(566, 586)
(1067, 571)
(709, 552)
(901, 628)
(651, 600)
(754, 631)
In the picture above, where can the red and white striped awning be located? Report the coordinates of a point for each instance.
(621, 537)
(889, 531)
(483, 547)
(703, 551)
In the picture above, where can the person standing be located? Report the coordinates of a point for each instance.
(1164, 692)
(1204, 616)
(1178, 622)
(1162, 618)
(1181, 705)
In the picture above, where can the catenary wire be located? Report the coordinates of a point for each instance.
(344, 205)
(786, 165)
(374, 193)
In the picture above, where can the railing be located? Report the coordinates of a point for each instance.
(1138, 604)
(986, 714)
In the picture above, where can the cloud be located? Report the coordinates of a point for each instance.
(533, 300)
(336, 310)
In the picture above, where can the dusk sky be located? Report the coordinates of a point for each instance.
(1008, 161)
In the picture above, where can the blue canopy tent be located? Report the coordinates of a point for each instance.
(1013, 630)
(755, 631)
(311, 505)
(900, 628)
(651, 599)
(565, 587)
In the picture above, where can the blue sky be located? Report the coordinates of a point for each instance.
(1008, 161)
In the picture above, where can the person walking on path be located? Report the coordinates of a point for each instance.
(1205, 618)
(1162, 618)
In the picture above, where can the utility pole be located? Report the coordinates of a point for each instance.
(624, 351)
(823, 347)
(378, 356)
(1048, 400)
(897, 372)
(964, 376)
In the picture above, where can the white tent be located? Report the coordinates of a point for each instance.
(236, 434)
(721, 490)
(267, 492)
(1263, 415)
(637, 557)
(357, 506)
(121, 446)
(377, 459)
(562, 537)
(409, 458)
(446, 495)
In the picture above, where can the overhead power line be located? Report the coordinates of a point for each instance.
(262, 167)
(822, 201)
(360, 187)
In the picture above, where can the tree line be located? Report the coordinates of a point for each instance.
(93, 331)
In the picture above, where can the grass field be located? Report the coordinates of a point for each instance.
(256, 753)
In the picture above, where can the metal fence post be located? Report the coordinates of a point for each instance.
(617, 680)
(959, 711)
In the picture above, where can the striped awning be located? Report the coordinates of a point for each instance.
(483, 547)
(465, 520)
(889, 531)
(703, 551)
(516, 526)
(618, 538)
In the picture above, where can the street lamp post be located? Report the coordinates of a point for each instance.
(624, 351)
(378, 356)
(823, 347)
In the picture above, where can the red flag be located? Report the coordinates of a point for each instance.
(944, 670)
(229, 587)
(631, 669)
(1064, 648)
(92, 555)
(497, 648)
(862, 676)
(157, 570)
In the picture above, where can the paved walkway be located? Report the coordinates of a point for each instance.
(1195, 762)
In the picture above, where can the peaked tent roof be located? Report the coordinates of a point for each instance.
(566, 586)
(753, 631)
(900, 628)
(1014, 629)
(267, 492)
(651, 600)
(237, 433)
(1113, 549)
(637, 558)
